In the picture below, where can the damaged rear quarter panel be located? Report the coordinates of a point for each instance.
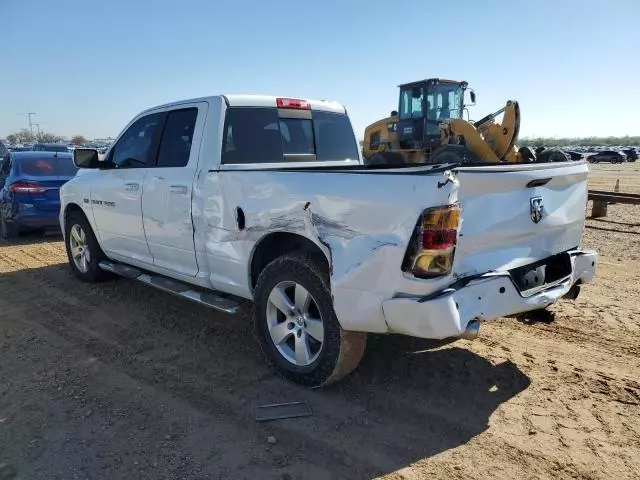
(362, 222)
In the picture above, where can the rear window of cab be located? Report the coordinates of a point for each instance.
(261, 135)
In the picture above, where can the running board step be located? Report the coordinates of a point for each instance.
(210, 299)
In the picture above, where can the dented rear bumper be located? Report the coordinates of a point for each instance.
(486, 297)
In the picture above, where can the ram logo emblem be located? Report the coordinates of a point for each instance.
(537, 209)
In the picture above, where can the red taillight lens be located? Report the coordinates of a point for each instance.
(437, 239)
(26, 187)
(433, 247)
(294, 103)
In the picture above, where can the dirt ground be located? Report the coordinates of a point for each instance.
(119, 381)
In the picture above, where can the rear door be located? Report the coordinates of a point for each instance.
(168, 190)
(516, 215)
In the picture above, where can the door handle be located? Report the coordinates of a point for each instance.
(160, 179)
(179, 189)
(132, 187)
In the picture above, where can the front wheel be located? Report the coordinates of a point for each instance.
(297, 326)
(83, 251)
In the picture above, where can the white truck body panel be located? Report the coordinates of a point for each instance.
(183, 223)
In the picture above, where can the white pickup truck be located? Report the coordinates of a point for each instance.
(237, 197)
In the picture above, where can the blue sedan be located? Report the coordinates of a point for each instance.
(30, 190)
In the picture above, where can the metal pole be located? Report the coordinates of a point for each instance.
(30, 122)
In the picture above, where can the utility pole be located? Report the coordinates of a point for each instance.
(37, 125)
(29, 114)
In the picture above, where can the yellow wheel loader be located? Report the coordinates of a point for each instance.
(429, 127)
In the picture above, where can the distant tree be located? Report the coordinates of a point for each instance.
(78, 140)
(25, 136)
(45, 137)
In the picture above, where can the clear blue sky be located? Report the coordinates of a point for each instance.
(87, 67)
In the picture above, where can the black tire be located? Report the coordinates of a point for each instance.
(527, 155)
(453, 154)
(552, 155)
(94, 273)
(8, 229)
(386, 158)
(341, 351)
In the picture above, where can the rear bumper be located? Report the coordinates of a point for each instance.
(487, 297)
(37, 219)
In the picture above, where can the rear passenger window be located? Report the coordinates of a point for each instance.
(175, 144)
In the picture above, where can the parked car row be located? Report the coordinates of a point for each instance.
(51, 147)
(613, 156)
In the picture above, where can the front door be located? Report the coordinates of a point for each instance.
(168, 190)
(116, 198)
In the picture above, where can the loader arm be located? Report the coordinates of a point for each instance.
(492, 142)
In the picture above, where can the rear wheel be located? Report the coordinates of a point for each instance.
(83, 251)
(297, 326)
(8, 229)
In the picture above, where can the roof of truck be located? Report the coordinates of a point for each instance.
(236, 100)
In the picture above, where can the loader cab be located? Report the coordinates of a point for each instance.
(423, 105)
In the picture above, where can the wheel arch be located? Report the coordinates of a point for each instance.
(73, 207)
(276, 244)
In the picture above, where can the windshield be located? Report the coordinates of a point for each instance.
(444, 101)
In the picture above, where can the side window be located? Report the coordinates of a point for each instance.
(252, 136)
(132, 149)
(175, 144)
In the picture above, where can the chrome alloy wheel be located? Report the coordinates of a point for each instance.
(79, 248)
(295, 323)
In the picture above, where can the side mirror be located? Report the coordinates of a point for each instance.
(394, 113)
(472, 94)
(87, 158)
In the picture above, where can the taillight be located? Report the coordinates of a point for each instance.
(26, 187)
(294, 103)
(433, 244)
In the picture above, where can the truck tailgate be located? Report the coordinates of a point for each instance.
(515, 216)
